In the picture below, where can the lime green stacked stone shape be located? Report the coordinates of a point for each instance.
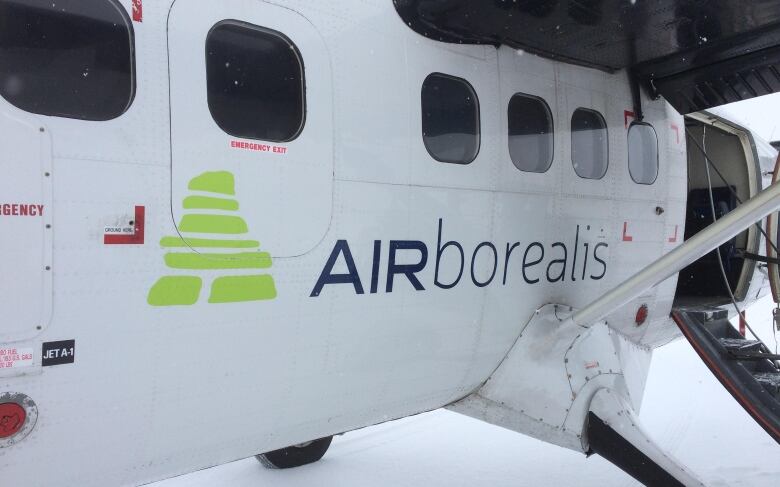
(213, 250)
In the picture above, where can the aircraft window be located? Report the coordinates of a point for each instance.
(530, 133)
(256, 88)
(69, 58)
(589, 144)
(642, 153)
(450, 119)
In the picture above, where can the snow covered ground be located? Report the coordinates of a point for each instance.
(685, 408)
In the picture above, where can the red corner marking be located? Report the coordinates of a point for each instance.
(676, 131)
(136, 238)
(626, 237)
(674, 238)
(138, 11)
(626, 115)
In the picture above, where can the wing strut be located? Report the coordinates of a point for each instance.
(614, 432)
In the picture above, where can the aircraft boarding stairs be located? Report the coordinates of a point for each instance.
(746, 368)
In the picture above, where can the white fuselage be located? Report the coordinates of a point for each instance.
(157, 390)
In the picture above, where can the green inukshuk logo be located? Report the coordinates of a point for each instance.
(211, 246)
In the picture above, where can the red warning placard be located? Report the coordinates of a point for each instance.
(255, 147)
(21, 209)
(132, 234)
(15, 358)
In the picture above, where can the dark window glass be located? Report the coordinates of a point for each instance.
(589, 144)
(530, 133)
(642, 153)
(450, 119)
(67, 58)
(255, 82)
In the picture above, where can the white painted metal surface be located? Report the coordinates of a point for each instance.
(289, 182)
(25, 241)
(545, 385)
(156, 391)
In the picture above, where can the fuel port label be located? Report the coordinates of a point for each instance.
(58, 353)
(15, 358)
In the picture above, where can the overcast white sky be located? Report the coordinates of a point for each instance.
(760, 114)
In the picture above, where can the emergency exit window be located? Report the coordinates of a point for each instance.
(450, 119)
(255, 82)
(67, 58)
(642, 153)
(589, 144)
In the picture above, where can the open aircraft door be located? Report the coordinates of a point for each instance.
(773, 241)
(251, 126)
(724, 170)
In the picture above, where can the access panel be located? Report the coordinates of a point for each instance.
(251, 127)
(25, 228)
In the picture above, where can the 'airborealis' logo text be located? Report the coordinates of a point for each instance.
(210, 246)
(577, 259)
